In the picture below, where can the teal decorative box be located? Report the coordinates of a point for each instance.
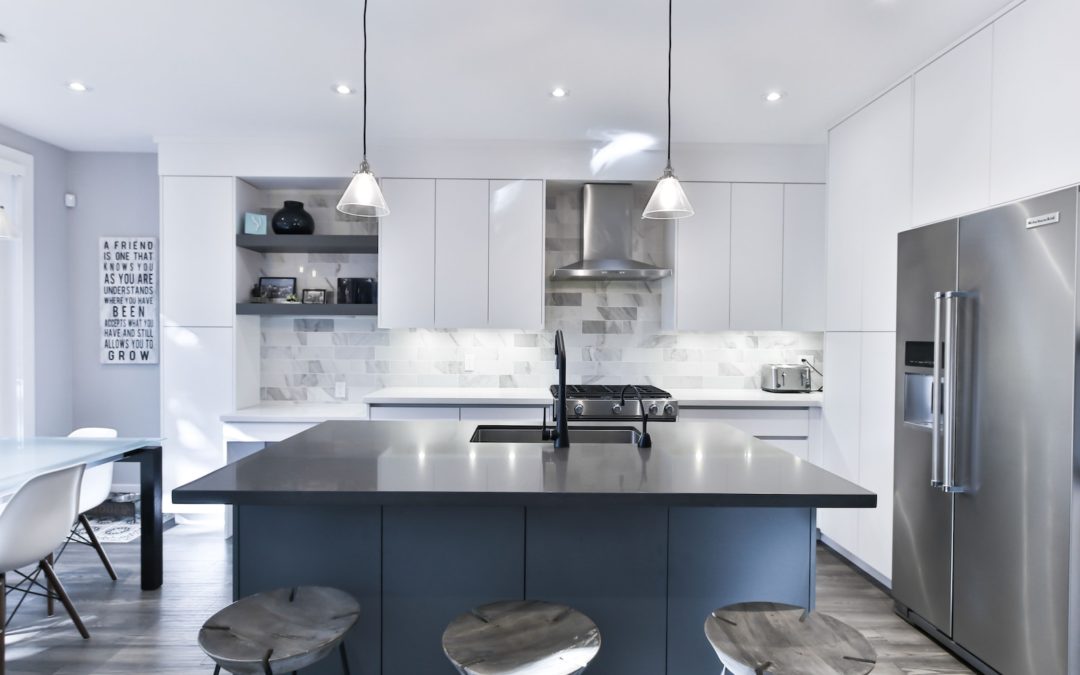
(255, 223)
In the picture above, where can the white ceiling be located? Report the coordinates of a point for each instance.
(473, 69)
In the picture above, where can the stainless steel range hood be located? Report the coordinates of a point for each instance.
(607, 237)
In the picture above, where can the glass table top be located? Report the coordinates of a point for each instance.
(23, 458)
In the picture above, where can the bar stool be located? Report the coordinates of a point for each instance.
(280, 631)
(521, 636)
(755, 638)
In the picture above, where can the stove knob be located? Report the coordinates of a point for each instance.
(579, 410)
(654, 409)
(669, 410)
(616, 409)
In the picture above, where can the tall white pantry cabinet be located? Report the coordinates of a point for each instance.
(990, 121)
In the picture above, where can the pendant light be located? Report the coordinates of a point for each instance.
(363, 196)
(668, 200)
(7, 228)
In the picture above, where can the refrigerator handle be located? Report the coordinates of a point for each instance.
(948, 455)
(935, 398)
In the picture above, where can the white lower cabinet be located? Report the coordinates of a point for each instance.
(877, 394)
(840, 441)
(789, 429)
(405, 412)
(196, 387)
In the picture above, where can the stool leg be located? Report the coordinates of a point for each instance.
(3, 618)
(217, 669)
(344, 659)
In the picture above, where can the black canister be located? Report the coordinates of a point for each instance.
(356, 291)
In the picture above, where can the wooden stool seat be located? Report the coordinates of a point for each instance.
(764, 638)
(279, 631)
(510, 637)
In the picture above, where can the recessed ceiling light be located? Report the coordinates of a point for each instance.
(774, 96)
(343, 89)
(78, 86)
(559, 92)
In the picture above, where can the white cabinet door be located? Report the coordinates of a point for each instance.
(952, 132)
(1036, 100)
(703, 258)
(405, 413)
(461, 253)
(407, 255)
(196, 389)
(198, 250)
(877, 396)
(757, 246)
(516, 260)
(840, 447)
(870, 158)
(805, 237)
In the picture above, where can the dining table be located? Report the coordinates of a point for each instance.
(21, 459)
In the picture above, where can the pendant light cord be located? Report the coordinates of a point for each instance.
(365, 81)
(669, 41)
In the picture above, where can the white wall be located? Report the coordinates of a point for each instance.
(53, 356)
(117, 196)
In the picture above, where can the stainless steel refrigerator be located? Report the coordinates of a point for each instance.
(986, 528)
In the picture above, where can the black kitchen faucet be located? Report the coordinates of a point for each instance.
(561, 434)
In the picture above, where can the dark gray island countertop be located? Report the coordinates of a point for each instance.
(434, 463)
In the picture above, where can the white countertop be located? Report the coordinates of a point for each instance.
(744, 398)
(458, 396)
(298, 412)
(494, 396)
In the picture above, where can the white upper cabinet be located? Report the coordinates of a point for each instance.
(198, 244)
(952, 131)
(461, 253)
(757, 248)
(407, 255)
(1036, 100)
(805, 235)
(870, 165)
(702, 255)
(516, 265)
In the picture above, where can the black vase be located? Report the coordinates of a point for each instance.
(293, 219)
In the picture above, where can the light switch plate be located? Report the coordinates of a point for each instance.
(469, 366)
(341, 389)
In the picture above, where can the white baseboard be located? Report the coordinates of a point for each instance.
(856, 561)
(126, 487)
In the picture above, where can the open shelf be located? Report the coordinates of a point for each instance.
(309, 243)
(272, 309)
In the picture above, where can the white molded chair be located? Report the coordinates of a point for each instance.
(33, 523)
(96, 485)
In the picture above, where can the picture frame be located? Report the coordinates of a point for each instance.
(314, 296)
(277, 289)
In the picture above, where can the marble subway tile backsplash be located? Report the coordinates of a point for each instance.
(613, 331)
(303, 359)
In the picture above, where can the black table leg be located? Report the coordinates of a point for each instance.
(149, 460)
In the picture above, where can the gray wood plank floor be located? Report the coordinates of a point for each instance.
(137, 632)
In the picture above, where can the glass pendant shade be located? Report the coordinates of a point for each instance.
(668, 200)
(7, 228)
(363, 196)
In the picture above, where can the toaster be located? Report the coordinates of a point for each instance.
(785, 378)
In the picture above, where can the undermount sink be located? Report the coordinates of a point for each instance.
(533, 434)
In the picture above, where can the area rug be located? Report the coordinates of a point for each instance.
(120, 530)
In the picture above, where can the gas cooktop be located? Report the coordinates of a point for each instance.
(604, 402)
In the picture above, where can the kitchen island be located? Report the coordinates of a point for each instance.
(421, 521)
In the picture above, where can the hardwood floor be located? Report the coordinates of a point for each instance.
(137, 632)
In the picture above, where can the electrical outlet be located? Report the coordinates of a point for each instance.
(809, 358)
(469, 366)
(341, 389)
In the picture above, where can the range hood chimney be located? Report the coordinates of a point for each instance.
(607, 237)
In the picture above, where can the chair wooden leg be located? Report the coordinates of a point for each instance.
(47, 568)
(49, 602)
(97, 545)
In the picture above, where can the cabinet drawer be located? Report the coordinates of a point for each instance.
(393, 412)
(267, 432)
(756, 421)
(518, 413)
